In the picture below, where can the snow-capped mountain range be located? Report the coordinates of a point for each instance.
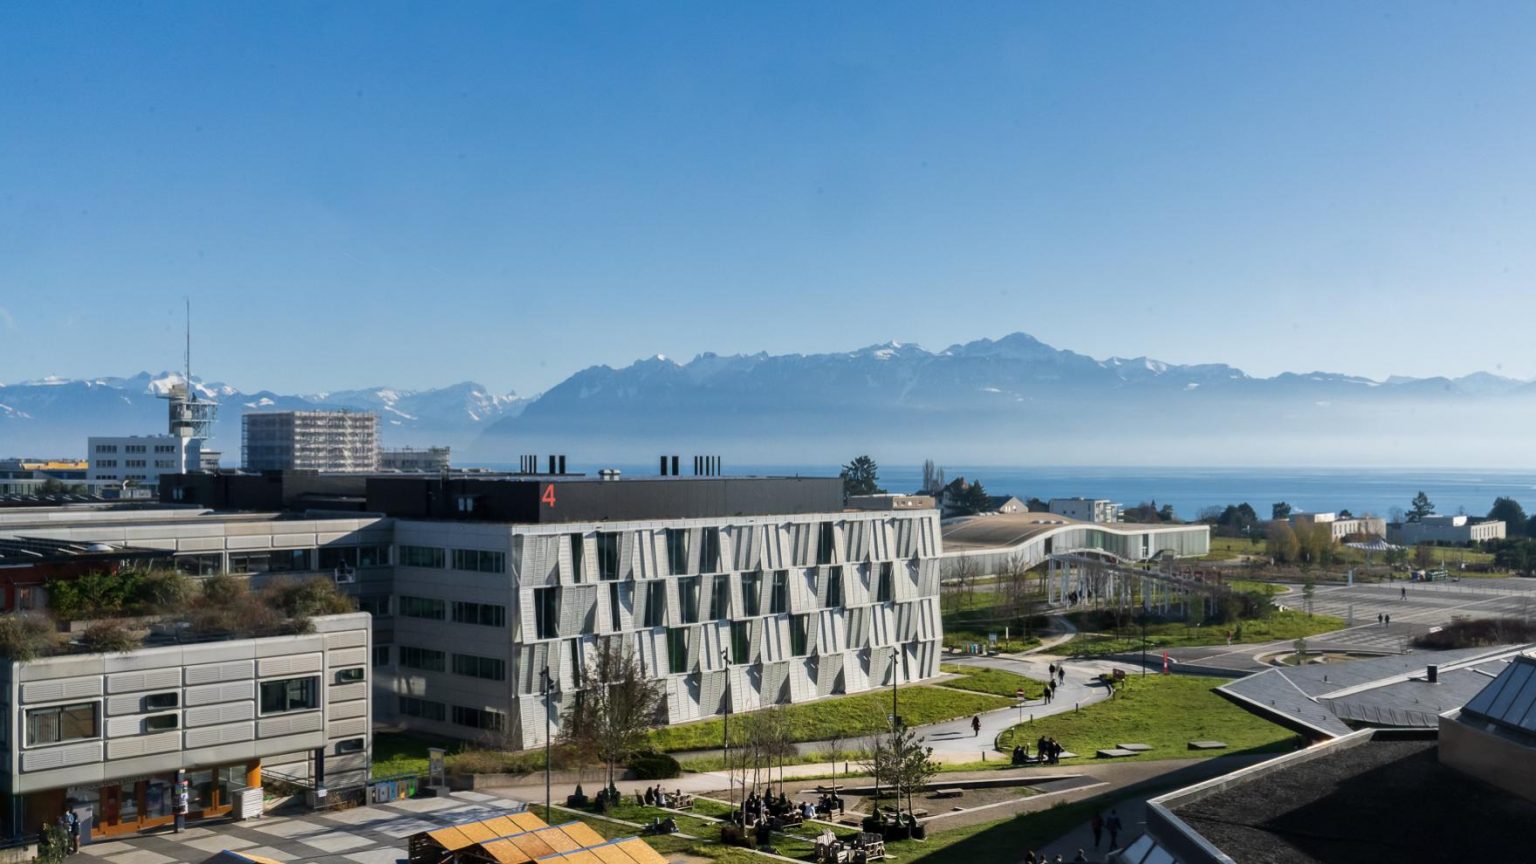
(1008, 401)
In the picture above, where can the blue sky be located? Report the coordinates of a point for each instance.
(415, 194)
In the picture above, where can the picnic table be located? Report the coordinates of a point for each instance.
(681, 801)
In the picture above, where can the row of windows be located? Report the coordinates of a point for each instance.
(165, 448)
(473, 560)
(106, 463)
(106, 448)
(432, 660)
(336, 557)
(422, 607)
(474, 718)
(464, 612)
(59, 723)
(484, 614)
(133, 448)
(547, 604)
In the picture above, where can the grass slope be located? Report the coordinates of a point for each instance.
(843, 716)
(997, 682)
(1286, 624)
(1165, 712)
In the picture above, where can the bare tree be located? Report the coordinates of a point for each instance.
(610, 717)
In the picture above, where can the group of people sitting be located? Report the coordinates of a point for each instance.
(1048, 749)
(828, 804)
(659, 797)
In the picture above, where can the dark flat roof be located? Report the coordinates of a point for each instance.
(1384, 800)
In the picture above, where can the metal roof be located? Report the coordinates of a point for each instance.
(25, 551)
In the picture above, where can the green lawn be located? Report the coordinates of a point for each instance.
(1163, 711)
(997, 682)
(1249, 585)
(842, 716)
(1287, 624)
(397, 753)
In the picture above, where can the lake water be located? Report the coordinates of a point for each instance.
(1189, 490)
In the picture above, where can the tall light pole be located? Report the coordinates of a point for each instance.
(730, 779)
(546, 688)
(895, 676)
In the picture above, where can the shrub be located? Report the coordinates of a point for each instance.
(478, 761)
(654, 766)
(159, 592)
(1461, 633)
(307, 598)
(109, 637)
(25, 636)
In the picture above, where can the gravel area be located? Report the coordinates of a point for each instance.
(1383, 801)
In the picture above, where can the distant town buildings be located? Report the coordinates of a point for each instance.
(346, 441)
(890, 501)
(435, 459)
(1006, 504)
(1086, 509)
(1451, 530)
(31, 477)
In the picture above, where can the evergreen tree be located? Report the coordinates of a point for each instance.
(861, 477)
(1420, 507)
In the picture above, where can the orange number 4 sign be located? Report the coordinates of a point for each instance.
(549, 495)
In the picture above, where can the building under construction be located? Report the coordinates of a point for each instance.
(313, 440)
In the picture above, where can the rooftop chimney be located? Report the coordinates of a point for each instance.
(1432, 674)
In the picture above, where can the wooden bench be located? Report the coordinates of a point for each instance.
(949, 793)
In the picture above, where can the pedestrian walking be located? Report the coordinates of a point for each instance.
(1378, 618)
(976, 726)
(1405, 592)
(1061, 674)
(1113, 824)
(1053, 671)
(1389, 620)
(1098, 829)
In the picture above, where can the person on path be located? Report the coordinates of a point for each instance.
(1098, 829)
(976, 726)
(42, 842)
(1389, 620)
(1378, 618)
(182, 806)
(1405, 592)
(1053, 670)
(1113, 824)
(72, 827)
(1061, 674)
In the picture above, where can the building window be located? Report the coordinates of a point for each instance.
(164, 463)
(333, 557)
(478, 718)
(106, 448)
(350, 745)
(106, 463)
(488, 668)
(376, 605)
(349, 676)
(752, 594)
(616, 593)
(677, 550)
(422, 607)
(885, 587)
(709, 556)
(133, 463)
(161, 701)
(426, 710)
(160, 723)
(62, 723)
(655, 603)
(483, 614)
(824, 543)
(546, 613)
(741, 641)
(799, 635)
(466, 503)
(688, 597)
(479, 561)
(165, 448)
(834, 587)
(720, 598)
(380, 655)
(424, 659)
(421, 556)
(677, 650)
(373, 556)
(133, 448)
(778, 599)
(607, 555)
(270, 562)
(578, 556)
(290, 694)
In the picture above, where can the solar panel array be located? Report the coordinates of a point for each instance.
(1510, 699)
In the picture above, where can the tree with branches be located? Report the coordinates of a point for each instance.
(611, 716)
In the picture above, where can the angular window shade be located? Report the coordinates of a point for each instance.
(802, 590)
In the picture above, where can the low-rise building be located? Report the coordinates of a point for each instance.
(1006, 504)
(110, 735)
(890, 501)
(1448, 530)
(433, 459)
(1345, 527)
(136, 462)
(1086, 509)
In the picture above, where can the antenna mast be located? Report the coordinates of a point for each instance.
(188, 299)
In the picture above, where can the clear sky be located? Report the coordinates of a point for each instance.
(414, 194)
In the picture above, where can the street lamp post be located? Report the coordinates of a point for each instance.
(1143, 643)
(730, 779)
(547, 688)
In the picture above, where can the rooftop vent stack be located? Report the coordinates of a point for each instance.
(562, 464)
(1432, 674)
(677, 466)
(663, 466)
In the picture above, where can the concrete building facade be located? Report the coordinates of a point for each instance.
(432, 459)
(1454, 530)
(1366, 526)
(342, 441)
(1086, 509)
(140, 460)
(110, 735)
